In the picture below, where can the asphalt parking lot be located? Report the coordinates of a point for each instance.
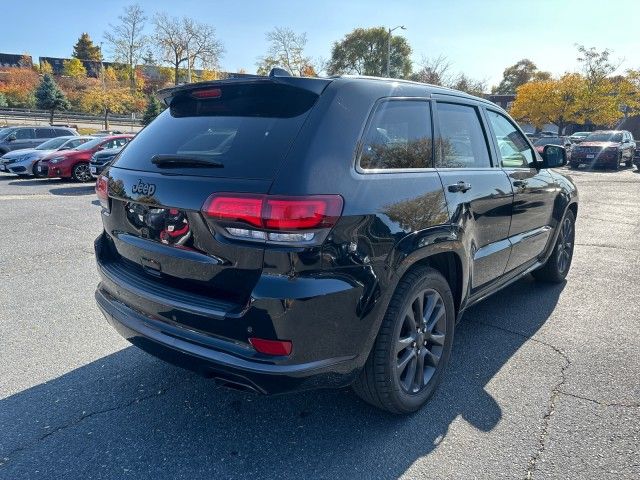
(544, 382)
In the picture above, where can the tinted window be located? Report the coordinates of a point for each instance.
(76, 142)
(52, 144)
(24, 133)
(398, 136)
(512, 145)
(604, 137)
(463, 141)
(248, 128)
(62, 133)
(44, 133)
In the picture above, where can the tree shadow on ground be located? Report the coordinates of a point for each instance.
(129, 410)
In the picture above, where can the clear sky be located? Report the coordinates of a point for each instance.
(480, 38)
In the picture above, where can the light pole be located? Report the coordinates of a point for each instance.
(389, 46)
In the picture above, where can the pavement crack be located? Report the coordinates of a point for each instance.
(157, 393)
(600, 402)
(556, 391)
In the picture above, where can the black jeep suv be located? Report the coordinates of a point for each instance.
(280, 233)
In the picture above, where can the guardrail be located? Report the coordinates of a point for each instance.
(10, 115)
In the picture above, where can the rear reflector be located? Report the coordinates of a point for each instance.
(271, 347)
(102, 190)
(275, 212)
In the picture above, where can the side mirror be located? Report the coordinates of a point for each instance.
(554, 156)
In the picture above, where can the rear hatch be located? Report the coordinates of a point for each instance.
(229, 136)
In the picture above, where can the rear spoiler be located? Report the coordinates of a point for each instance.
(315, 85)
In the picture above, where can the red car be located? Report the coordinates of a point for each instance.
(75, 163)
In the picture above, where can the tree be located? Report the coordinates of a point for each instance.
(522, 72)
(84, 49)
(601, 98)
(286, 50)
(154, 108)
(45, 67)
(50, 97)
(114, 99)
(435, 71)
(550, 101)
(364, 51)
(127, 40)
(18, 84)
(186, 41)
(3, 101)
(467, 84)
(74, 68)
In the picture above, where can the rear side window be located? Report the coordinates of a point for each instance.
(513, 146)
(44, 133)
(246, 130)
(62, 133)
(24, 133)
(463, 141)
(398, 136)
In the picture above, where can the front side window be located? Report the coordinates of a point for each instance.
(515, 151)
(398, 136)
(462, 139)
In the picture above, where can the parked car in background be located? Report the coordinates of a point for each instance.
(243, 240)
(75, 163)
(18, 138)
(605, 148)
(106, 133)
(547, 133)
(101, 160)
(562, 141)
(578, 137)
(24, 162)
(636, 156)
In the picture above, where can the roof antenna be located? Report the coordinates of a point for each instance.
(279, 72)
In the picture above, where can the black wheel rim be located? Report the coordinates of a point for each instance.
(565, 245)
(82, 172)
(420, 342)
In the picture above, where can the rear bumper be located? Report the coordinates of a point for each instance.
(210, 336)
(155, 338)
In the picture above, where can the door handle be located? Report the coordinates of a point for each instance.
(459, 187)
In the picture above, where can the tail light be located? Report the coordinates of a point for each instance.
(274, 218)
(102, 191)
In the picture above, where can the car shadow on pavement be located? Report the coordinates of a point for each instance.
(129, 412)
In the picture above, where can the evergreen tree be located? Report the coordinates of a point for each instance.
(84, 49)
(50, 97)
(3, 100)
(154, 108)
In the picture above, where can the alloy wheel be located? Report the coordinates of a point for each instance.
(421, 339)
(565, 245)
(82, 172)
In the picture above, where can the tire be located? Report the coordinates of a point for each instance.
(34, 170)
(81, 173)
(629, 163)
(400, 343)
(617, 165)
(557, 267)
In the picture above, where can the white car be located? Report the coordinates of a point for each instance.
(23, 162)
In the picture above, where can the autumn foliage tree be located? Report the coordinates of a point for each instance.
(105, 101)
(17, 85)
(550, 101)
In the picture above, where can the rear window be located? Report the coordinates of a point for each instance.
(248, 129)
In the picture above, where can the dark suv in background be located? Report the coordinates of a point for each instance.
(280, 233)
(605, 148)
(16, 138)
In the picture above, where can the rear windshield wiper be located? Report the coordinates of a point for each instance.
(169, 160)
